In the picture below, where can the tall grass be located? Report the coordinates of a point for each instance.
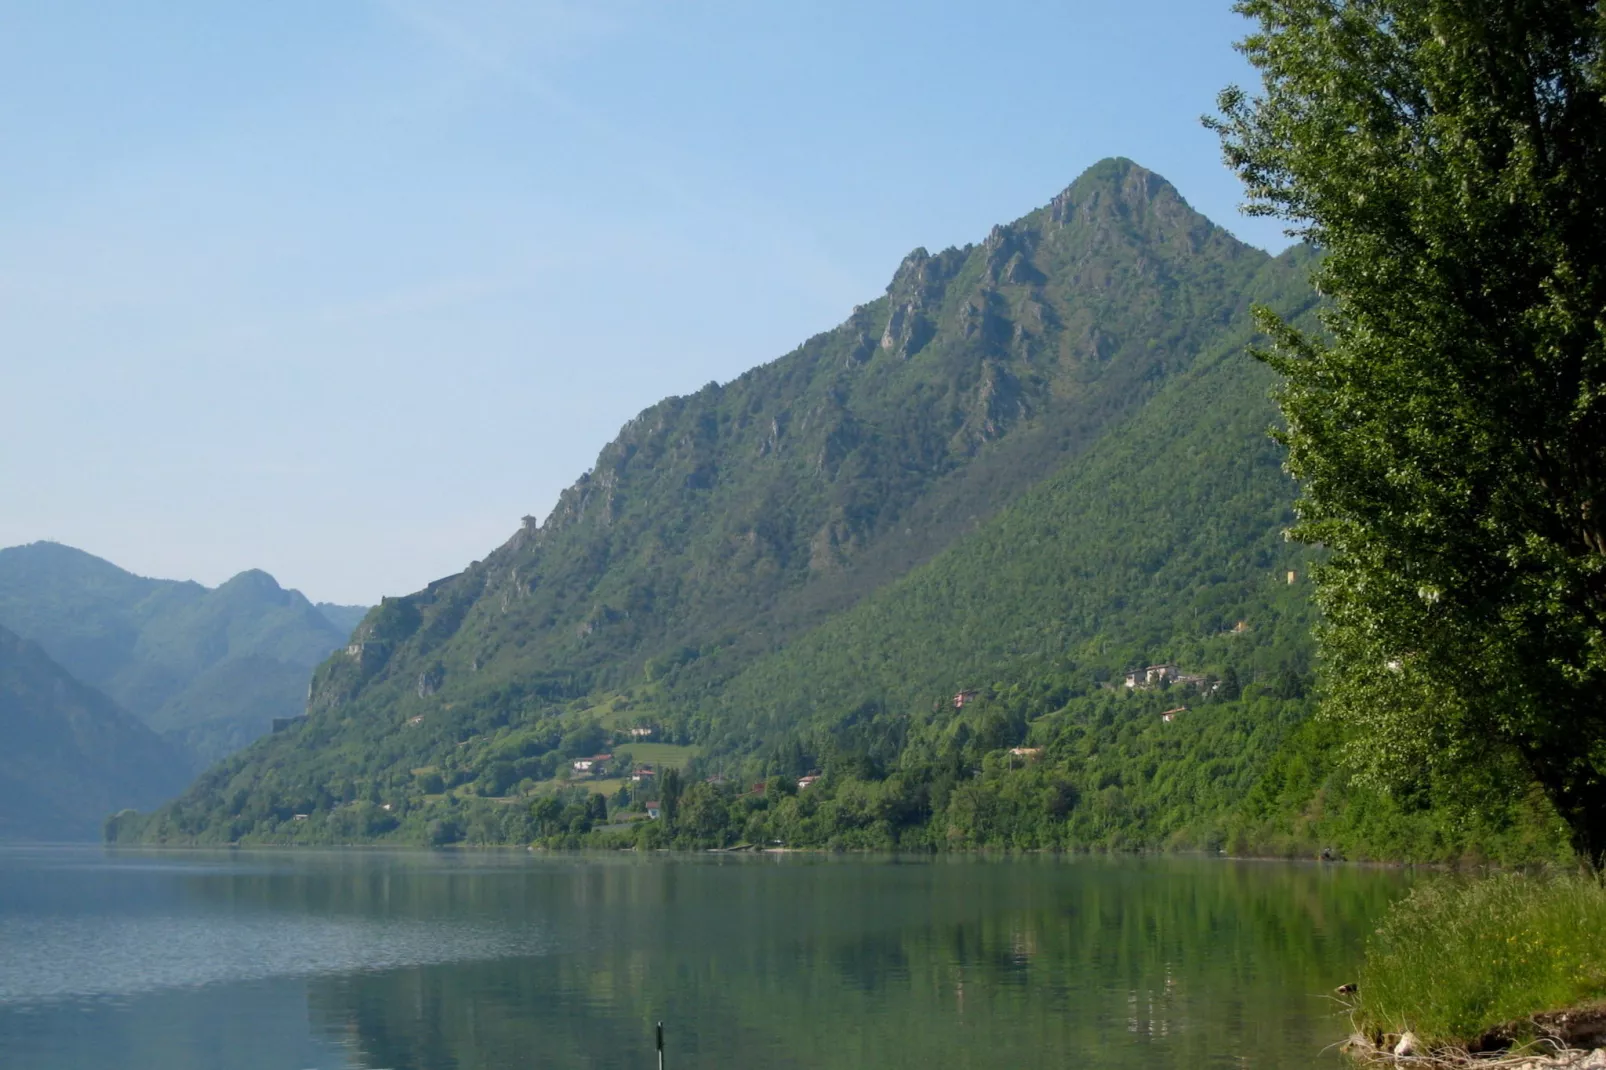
(1457, 957)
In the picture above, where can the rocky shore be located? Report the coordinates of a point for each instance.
(1574, 1038)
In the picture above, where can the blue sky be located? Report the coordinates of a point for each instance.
(342, 288)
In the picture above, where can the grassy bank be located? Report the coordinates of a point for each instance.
(1459, 957)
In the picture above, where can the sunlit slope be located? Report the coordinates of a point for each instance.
(1163, 543)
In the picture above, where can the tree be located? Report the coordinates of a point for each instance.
(1448, 157)
(547, 813)
(669, 795)
(703, 814)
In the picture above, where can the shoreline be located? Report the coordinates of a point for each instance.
(1464, 865)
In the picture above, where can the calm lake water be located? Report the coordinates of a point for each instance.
(485, 960)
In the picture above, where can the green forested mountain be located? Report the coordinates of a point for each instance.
(731, 519)
(70, 755)
(1033, 464)
(209, 669)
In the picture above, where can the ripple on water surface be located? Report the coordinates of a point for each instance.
(68, 957)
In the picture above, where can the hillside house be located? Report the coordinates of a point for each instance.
(805, 781)
(643, 774)
(654, 810)
(641, 732)
(1029, 753)
(1152, 676)
(593, 764)
(964, 698)
(1170, 715)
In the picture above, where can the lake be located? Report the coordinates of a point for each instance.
(473, 961)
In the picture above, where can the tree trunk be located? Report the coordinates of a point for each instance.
(1578, 792)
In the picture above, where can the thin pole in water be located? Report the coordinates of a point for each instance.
(660, 1046)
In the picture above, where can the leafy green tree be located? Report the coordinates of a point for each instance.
(669, 795)
(1449, 434)
(497, 779)
(703, 814)
(443, 831)
(547, 813)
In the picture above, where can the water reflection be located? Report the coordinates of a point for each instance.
(503, 960)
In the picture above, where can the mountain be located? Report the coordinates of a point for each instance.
(344, 618)
(916, 555)
(209, 669)
(71, 756)
(730, 520)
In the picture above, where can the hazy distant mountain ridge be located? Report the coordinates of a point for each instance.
(210, 668)
(71, 755)
(344, 618)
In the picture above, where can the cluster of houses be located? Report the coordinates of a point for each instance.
(597, 766)
(1161, 675)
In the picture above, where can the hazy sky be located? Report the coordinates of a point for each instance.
(342, 288)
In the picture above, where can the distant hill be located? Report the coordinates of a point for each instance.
(344, 618)
(208, 668)
(71, 757)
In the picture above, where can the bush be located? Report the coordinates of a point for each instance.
(1457, 957)
(443, 831)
